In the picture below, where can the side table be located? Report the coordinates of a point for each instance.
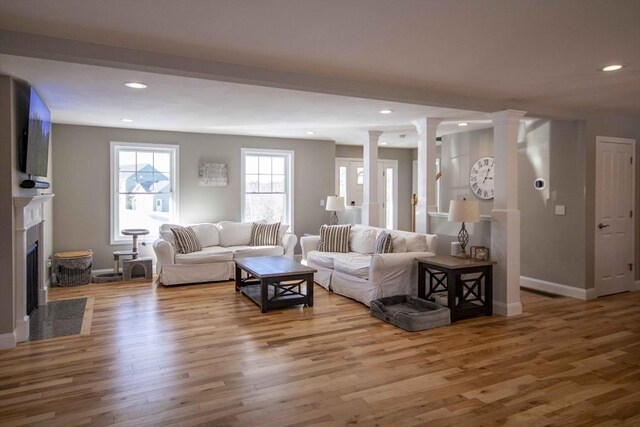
(468, 283)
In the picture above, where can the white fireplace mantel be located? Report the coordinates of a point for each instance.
(29, 211)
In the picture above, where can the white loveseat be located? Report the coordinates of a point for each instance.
(364, 276)
(221, 244)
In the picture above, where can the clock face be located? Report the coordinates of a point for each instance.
(481, 178)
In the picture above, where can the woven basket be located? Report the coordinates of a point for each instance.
(73, 268)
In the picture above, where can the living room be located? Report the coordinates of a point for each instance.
(211, 105)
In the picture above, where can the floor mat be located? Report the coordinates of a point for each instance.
(57, 319)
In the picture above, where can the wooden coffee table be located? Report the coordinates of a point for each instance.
(274, 282)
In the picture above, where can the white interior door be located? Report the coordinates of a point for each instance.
(614, 212)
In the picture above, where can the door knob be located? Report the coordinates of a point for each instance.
(601, 226)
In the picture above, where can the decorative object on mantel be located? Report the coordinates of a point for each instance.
(464, 211)
(212, 174)
(480, 253)
(335, 204)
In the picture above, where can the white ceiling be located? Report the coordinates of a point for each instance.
(512, 51)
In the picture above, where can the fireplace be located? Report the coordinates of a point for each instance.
(32, 277)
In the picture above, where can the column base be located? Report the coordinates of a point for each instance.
(22, 329)
(512, 309)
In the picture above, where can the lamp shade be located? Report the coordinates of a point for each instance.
(335, 203)
(464, 211)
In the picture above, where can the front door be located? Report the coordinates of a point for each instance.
(614, 212)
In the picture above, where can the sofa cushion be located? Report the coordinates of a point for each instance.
(362, 240)
(399, 243)
(326, 259)
(355, 265)
(416, 242)
(205, 256)
(185, 240)
(249, 251)
(334, 238)
(207, 233)
(235, 233)
(384, 243)
(265, 234)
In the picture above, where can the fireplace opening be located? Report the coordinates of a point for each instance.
(32, 277)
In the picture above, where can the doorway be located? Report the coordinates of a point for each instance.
(614, 228)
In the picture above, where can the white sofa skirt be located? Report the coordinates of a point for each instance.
(176, 274)
(354, 287)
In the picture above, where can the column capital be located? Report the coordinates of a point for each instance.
(422, 123)
(506, 116)
(374, 134)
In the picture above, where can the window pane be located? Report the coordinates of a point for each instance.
(162, 162)
(144, 161)
(126, 182)
(343, 181)
(141, 211)
(145, 181)
(360, 176)
(251, 165)
(127, 160)
(265, 165)
(252, 184)
(278, 184)
(265, 183)
(278, 165)
(268, 207)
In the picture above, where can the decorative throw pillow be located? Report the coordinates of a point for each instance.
(398, 243)
(416, 242)
(334, 238)
(186, 240)
(265, 234)
(384, 243)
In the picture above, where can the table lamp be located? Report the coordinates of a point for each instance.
(335, 204)
(464, 211)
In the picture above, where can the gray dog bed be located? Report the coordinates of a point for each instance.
(410, 313)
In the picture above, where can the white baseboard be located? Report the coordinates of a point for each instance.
(636, 286)
(508, 310)
(8, 340)
(557, 288)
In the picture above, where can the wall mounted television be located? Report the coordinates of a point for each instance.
(35, 128)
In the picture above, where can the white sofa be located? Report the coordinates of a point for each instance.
(364, 276)
(221, 244)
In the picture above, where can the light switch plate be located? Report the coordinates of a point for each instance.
(560, 210)
(321, 202)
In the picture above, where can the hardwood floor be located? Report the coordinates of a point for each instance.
(203, 354)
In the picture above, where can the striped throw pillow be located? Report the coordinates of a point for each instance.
(334, 238)
(384, 243)
(265, 234)
(185, 240)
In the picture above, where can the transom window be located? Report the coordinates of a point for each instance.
(144, 188)
(267, 186)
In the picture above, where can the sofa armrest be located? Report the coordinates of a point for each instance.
(164, 251)
(289, 241)
(308, 244)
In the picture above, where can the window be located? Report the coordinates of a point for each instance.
(267, 186)
(144, 191)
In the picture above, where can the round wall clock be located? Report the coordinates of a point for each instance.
(481, 178)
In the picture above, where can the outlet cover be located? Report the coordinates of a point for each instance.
(560, 210)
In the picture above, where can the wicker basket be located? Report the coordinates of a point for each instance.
(73, 268)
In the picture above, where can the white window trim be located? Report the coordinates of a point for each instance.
(290, 189)
(140, 146)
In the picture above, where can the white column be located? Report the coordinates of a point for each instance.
(426, 171)
(505, 216)
(370, 203)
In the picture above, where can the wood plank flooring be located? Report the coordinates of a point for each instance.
(204, 355)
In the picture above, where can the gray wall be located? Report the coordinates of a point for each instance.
(81, 160)
(404, 158)
(552, 246)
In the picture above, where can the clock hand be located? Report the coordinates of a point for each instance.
(486, 176)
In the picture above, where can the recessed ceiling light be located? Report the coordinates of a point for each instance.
(383, 143)
(463, 124)
(126, 120)
(136, 85)
(386, 111)
(310, 132)
(613, 67)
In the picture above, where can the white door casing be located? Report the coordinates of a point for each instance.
(614, 227)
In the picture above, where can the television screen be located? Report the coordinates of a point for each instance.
(37, 155)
